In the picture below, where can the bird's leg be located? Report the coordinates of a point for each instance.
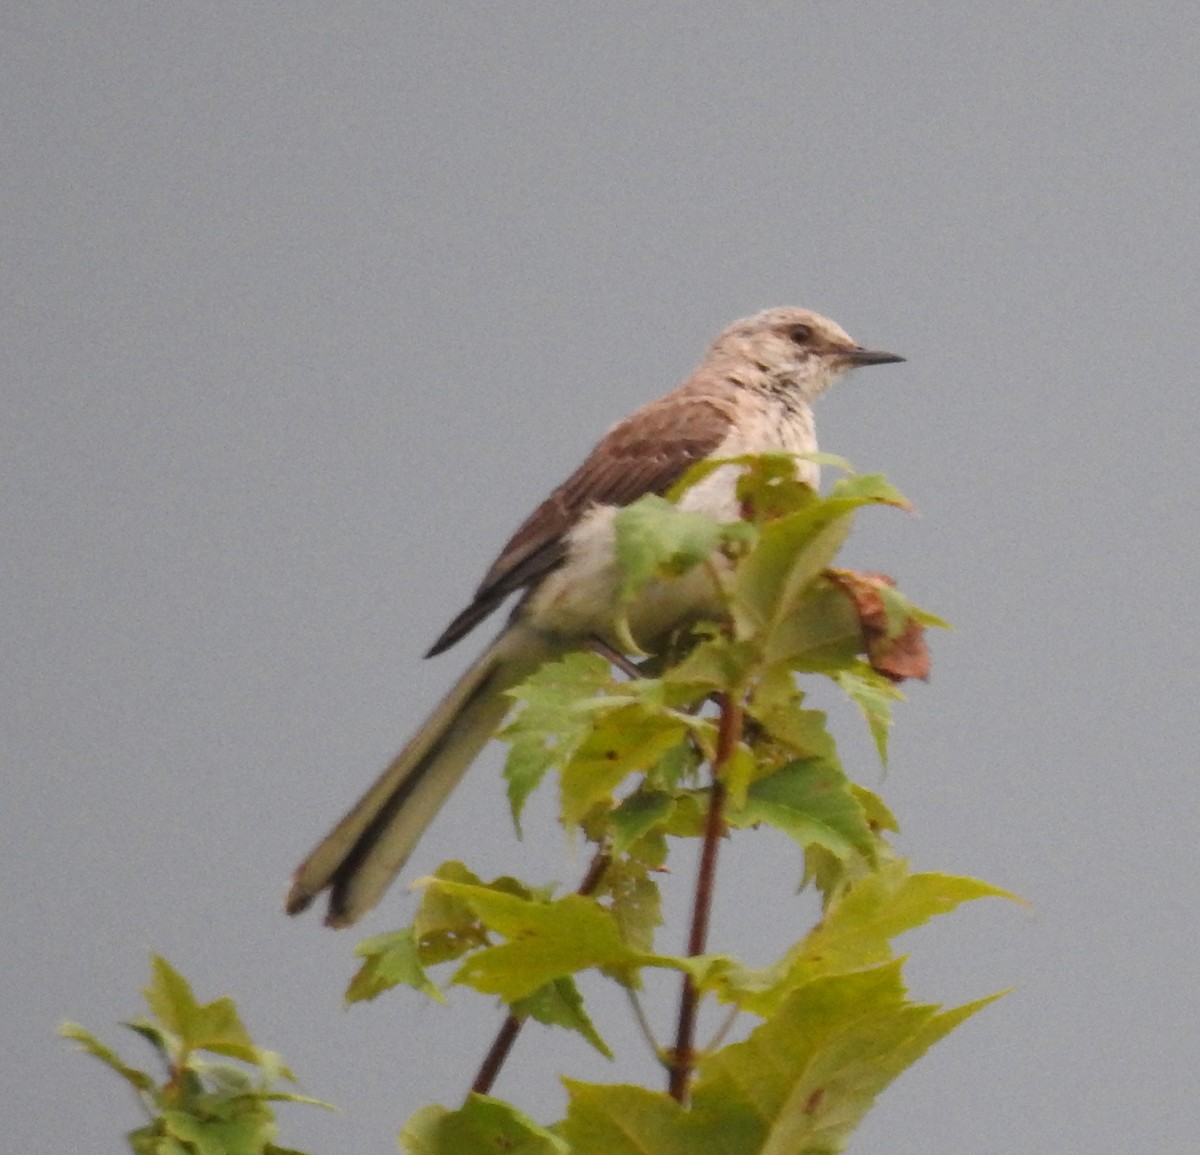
(613, 657)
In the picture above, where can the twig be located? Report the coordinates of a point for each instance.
(639, 1013)
(729, 731)
(511, 1027)
(723, 1029)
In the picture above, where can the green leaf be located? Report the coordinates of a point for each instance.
(654, 538)
(170, 999)
(855, 932)
(790, 555)
(219, 1029)
(830, 873)
(559, 1004)
(873, 694)
(677, 765)
(482, 1126)
(775, 705)
(769, 488)
(223, 1080)
(446, 927)
(689, 815)
(782, 571)
(878, 815)
(211, 1026)
(830, 459)
(715, 664)
(391, 960)
(754, 989)
(146, 1141)
(637, 815)
(925, 618)
(635, 901)
(698, 471)
(627, 740)
(811, 801)
(897, 609)
(203, 1107)
(527, 764)
(557, 702)
(867, 489)
(547, 941)
(88, 1042)
(803, 1080)
(247, 1130)
(859, 924)
(293, 1097)
(628, 1120)
(822, 633)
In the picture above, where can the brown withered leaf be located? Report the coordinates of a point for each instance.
(903, 656)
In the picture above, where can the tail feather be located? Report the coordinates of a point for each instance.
(364, 852)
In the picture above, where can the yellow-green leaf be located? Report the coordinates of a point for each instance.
(802, 1081)
(557, 702)
(546, 941)
(627, 740)
(654, 538)
(873, 694)
(559, 1004)
(481, 1126)
(93, 1046)
(390, 960)
(213, 1026)
(811, 801)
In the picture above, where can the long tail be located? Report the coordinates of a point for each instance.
(364, 852)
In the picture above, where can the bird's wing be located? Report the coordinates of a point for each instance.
(645, 453)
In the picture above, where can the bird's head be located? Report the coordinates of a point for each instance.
(793, 349)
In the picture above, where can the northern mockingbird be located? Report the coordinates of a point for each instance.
(750, 394)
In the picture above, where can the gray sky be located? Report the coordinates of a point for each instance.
(306, 305)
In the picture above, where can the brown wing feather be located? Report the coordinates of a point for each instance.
(645, 453)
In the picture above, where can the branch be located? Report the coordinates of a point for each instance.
(729, 732)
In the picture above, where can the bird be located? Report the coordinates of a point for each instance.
(752, 393)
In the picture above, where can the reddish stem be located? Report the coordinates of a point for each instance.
(729, 730)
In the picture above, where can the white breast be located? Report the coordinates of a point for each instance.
(766, 428)
(578, 599)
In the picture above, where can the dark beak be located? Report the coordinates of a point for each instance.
(855, 357)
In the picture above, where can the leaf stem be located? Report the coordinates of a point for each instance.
(639, 1014)
(729, 730)
(511, 1027)
(723, 1029)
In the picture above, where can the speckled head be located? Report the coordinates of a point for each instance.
(793, 349)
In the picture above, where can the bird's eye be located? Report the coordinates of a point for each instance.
(801, 334)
